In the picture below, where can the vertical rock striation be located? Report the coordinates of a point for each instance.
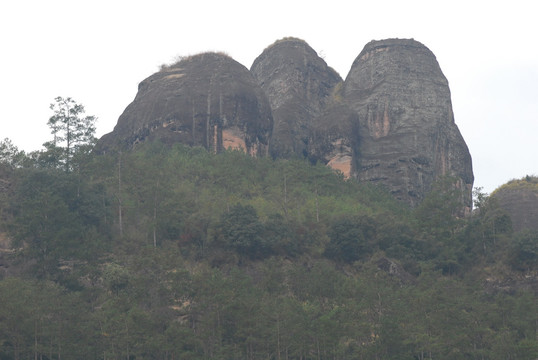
(207, 100)
(298, 84)
(407, 134)
(389, 122)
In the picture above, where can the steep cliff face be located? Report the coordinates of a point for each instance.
(205, 100)
(408, 136)
(334, 138)
(389, 122)
(298, 84)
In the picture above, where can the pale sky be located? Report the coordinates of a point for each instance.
(98, 51)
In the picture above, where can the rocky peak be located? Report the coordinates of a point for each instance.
(408, 137)
(207, 100)
(298, 84)
(390, 122)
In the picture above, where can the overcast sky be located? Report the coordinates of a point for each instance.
(98, 51)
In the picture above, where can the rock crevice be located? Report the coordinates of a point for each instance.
(408, 134)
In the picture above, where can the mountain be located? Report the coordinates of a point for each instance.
(298, 83)
(390, 122)
(408, 137)
(207, 100)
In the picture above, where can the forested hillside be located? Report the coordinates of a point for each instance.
(176, 253)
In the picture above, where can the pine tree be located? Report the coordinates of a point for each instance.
(74, 134)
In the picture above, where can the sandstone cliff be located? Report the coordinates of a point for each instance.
(390, 122)
(335, 137)
(207, 100)
(408, 136)
(298, 84)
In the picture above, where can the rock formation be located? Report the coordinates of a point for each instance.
(298, 84)
(408, 137)
(390, 122)
(207, 100)
(393, 268)
(519, 199)
(335, 137)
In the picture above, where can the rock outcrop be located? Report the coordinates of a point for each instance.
(207, 100)
(335, 137)
(393, 268)
(408, 137)
(298, 84)
(519, 199)
(390, 122)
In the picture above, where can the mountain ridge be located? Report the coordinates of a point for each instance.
(389, 122)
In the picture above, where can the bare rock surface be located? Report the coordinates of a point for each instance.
(298, 84)
(408, 137)
(393, 268)
(207, 100)
(335, 138)
(390, 122)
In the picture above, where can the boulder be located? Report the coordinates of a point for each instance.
(393, 268)
(407, 134)
(207, 100)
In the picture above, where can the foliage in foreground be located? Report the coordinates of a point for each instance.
(176, 253)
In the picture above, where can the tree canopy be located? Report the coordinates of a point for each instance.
(73, 133)
(173, 252)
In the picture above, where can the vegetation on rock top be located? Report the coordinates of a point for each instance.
(529, 182)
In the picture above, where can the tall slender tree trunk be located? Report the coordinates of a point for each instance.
(285, 195)
(120, 214)
(67, 137)
(278, 335)
(317, 205)
(155, 221)
(35, 339)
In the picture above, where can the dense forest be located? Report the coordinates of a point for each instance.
(176, 253)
